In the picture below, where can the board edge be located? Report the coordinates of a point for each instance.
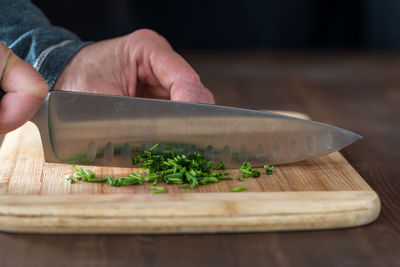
(320, 210)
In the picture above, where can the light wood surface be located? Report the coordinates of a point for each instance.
(315, 194)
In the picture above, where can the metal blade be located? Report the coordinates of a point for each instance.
(108, 130)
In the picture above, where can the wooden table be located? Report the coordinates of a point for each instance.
(359, 92)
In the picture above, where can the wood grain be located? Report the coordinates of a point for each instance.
(321, 193)
(188, 213)
(353, 90)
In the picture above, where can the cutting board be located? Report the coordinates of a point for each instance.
(320, 193)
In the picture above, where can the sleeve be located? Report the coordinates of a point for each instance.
(27, 31)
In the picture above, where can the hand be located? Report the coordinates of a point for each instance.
(24, 87)
(140, 64)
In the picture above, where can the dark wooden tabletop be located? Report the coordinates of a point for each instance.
(356, 91)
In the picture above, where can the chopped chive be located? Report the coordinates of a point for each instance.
(255, 173)
(172, 180)
(151, 177)
(246, 166)
(269, 169)
(69, 179)
(158, 189)
(237, 189)
(216, 174)
(153, 147)
(220, 166)
(97, 180)
(174, 175)
(247, 175)
(126, 181)
(90, 174)
(247, 171)
(165, 166)
(135, 175)
(111, 181)
(225, 178)
(208, 180)
(75, 168)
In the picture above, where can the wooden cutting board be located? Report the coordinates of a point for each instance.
(315, 194)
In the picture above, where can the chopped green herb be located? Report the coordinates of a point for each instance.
(208, 180)
(246, 169)
(174, 175)
(158, 189)
(132, 179)
(255, 173)
(165, 166)
(193, 182)
(245, 166)
(111, 181)
(153, 147)
(247, 175)
(69, 179)
(172, 180)
(83, 175)
(225, 178)
(248, 172)
(97, 180)
(189, 171)
(151, 177)
(90, 174)
(220, 166)
(134, 161)
(269, 169)
(237, 189)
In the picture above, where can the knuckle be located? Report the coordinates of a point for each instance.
(191, 77)
(147, 33)
(149, 37)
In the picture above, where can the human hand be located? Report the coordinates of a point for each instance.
(140, 64)
(24, 90)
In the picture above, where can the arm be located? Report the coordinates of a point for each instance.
(139, 64)
(27, 31)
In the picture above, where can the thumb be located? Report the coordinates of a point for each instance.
(24, 87)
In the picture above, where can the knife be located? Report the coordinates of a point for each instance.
(104, 130)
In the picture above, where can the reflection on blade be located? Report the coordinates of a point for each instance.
(108, 130)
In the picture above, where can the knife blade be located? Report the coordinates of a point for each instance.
(107, 130)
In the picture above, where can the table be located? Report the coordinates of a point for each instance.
(356, 91)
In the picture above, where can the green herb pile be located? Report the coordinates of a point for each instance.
(248, 172)
(165, 166)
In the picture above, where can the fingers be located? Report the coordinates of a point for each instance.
(171, 70)
(183, 82)
(25, 90)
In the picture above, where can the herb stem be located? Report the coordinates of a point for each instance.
(269, 169)
(158, 189)
(237, 189)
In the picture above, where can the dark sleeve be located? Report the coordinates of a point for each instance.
(27, 31)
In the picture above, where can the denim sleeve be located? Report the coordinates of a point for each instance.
(27, 31)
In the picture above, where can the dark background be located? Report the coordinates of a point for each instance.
(237, 24)
(352, 90)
